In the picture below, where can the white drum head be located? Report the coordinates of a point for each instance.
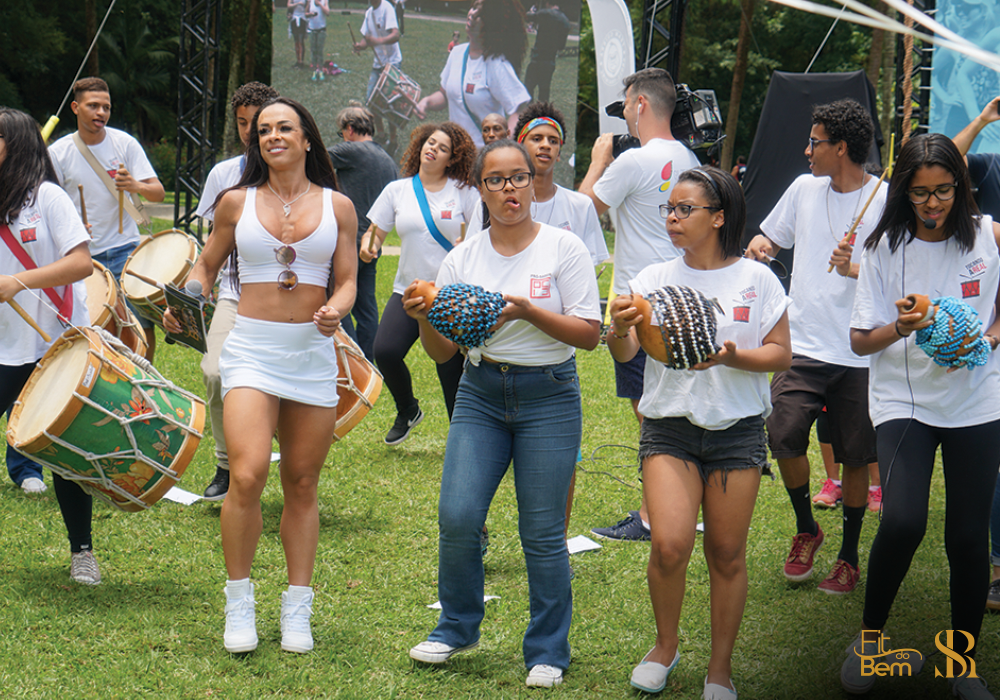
(163, 258)
(98, 291)
(50, 393)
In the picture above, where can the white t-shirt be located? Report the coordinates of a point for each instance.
(962, 398)
(490, 85)
(47, 230)
(379, 21)
(72, 168)
(634, 186)
(570, 211)
(223, 175)
(553, 273)
(813, 217)
(420, 255)
(753, 300)
(318, 19)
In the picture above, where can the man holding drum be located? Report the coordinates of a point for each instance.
(814, 215)
(246, 101)
(633, 186)
(107, 163)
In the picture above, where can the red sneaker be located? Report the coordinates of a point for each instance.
(842, 579)
(875, 499)
(829, 496)
(799, 565)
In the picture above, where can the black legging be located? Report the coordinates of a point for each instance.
(76, 505)
(906, 461)
(397, 333)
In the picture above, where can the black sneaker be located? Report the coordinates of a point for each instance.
(630, 529)
(219, 487)
(400, 430)
(993, 597)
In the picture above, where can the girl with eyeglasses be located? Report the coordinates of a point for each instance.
(702, 444)
(930, 240)
(290, 233)
(428, 208)
(518, 402)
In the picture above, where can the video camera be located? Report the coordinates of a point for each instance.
(697, 121)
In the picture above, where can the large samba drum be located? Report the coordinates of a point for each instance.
(108, 310)
(395, 95)
(97, 414)
(358, 384)
(166, 257)
(678, 326)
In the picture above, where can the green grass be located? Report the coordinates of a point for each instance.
(154, 626)
(424, 51)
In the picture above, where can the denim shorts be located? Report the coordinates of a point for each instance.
(741, 446)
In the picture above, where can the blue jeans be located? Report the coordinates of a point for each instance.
(530, 415)
(115, 259)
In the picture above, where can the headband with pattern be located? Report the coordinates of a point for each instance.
(537, 122)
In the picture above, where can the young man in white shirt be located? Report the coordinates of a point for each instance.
(246, 102)
(125, 161)
(814, 215)
(633, 186)
(380, 31)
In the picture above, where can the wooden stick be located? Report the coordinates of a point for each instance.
(353, 40)
(29, 320)
(854, 226)
(147, 280)
(373, 231)
(83, 206)
(461, 233)
(121, 211)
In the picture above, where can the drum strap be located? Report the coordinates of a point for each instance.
(425, 209)
(465, 63)
(65, 304)
(131, 203)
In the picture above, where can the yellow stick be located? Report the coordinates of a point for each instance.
(121, 211)
(29, 320)
(854, 226)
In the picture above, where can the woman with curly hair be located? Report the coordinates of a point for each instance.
(480, 76)
(427, 207)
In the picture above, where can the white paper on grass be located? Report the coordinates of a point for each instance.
(275, 456)
(181, 496)
(486, 599)
(581, 543)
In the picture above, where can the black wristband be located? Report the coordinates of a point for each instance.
(900, 333)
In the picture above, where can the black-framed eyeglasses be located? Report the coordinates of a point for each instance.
(287, 279)
(682, 211)
(813, 142)
(495, 183)
(942, 194)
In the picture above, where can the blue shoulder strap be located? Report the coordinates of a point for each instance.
(425, 209)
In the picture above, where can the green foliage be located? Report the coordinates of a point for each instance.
(33, 42)
(163, 157)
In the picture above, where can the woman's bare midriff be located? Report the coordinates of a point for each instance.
(265, 302)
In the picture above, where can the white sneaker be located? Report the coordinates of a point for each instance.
(296, 608)
(544, 676)
(437, 652)
(83, 568)
(33, 485)
(241, 624)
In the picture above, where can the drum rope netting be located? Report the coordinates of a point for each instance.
(687, 324)
(954, 322)
(465, 313)
(347, 382)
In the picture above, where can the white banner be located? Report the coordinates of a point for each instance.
(615, 54)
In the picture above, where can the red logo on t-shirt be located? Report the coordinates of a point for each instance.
(741, 314)
(446, 215)
(28, 235)
(541, 287)
(470, 88)
(970, 289)
(113, 173)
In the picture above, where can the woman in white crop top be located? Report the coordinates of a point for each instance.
(518, 402)
(436, 164)
(279, 365)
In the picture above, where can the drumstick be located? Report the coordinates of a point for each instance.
(29, 320)
(353, 40)
(854, 226)
(461, 232)
(373, 230)
(147, 280)
(121, 210)
(83, 206)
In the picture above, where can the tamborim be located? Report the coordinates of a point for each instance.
(97, 414)
(166, 256)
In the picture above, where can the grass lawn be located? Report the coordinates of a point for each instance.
(154, 625)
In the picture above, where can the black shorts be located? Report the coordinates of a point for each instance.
(299, 27)
(741, 446)
(798, 396)
(628, 376)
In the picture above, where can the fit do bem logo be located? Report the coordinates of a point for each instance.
(878, 660)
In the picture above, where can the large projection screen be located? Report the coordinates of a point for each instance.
(960, 87)
(428, 28)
